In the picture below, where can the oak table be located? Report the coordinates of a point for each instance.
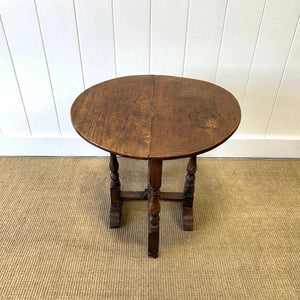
(154, 118)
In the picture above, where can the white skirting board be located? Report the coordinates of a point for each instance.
(75, 146)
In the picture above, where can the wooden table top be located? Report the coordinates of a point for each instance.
(153, 116)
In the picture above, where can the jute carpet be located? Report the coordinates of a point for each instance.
(55, 242)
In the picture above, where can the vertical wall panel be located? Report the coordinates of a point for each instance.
(273, 46)
(58, 29)
(239, 41)
(297, 134)
(12, 115)
(95, 29)
(286, 112)
(132, 36)
(168, 32)
(204, 37)
(21, 26)
(55, 49)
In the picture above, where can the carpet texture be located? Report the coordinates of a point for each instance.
(55, 242)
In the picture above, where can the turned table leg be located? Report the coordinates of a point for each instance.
(154, 183)
(188, 194)
(116, 202)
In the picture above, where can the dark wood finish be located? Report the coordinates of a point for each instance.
(155, 116)
(188, 195)
(154, 183)
(171, 196)
(127, 196)
(140, 196)
(115, 186)
(116, 115)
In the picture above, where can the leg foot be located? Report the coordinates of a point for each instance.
(153, 237)
(188, 195)
(188, 219)
(115, 186)
(115, 216)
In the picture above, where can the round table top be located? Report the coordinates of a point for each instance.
(153, 116)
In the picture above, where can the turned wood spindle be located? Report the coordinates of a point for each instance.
(188, 194)
(115, 186)
(154, 183)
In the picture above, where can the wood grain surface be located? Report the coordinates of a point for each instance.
(152, 116)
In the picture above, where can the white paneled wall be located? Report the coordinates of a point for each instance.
(51, 50)
(96, 42)
(204, 38)
(168, 36)
(132, 36)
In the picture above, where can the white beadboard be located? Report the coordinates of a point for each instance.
(239, 40)
(74, 146)
(132, 36)
(205, 27)
(286, 113)
(168, 33)
(13, 119)
(297, 134)
(21, 27)
(96, 39)
(49, 146)
(50, 50)
(58, 30)
(272, 49)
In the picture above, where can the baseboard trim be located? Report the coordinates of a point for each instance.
(75, 146)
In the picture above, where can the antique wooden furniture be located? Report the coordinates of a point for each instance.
(155, 118)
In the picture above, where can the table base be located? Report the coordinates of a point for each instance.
(153, 195)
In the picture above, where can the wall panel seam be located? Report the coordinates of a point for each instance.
(114, 36)
(298, 126)
(253, 55)
(186, 37)
(78, 42)
(47, 66)
(282, 76)
(16, 76)
(150, 34)
(221, 41)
